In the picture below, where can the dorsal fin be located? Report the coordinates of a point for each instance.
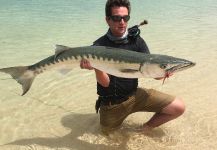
(59, 49)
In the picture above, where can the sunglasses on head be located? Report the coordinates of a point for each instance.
(117, 18)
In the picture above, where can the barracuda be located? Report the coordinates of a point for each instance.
(114, 61)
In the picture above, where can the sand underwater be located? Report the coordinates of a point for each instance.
(58, 111)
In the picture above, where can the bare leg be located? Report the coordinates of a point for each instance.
(170, 112)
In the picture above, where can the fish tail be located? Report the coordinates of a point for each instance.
(22, 75)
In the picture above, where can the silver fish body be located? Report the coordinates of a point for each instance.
(114, 61)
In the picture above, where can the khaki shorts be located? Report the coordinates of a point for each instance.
(144, 100)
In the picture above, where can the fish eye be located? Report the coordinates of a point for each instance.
(163, 66)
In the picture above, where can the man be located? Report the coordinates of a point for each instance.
(120, 97)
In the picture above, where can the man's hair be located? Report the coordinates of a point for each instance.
(116, 3)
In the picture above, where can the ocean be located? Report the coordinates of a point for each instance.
(58, 111)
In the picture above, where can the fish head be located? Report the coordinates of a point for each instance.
(163, 65)
(173, 65)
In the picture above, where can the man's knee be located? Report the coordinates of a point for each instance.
(177, 107)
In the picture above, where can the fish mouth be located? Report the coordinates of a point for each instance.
(181, 67)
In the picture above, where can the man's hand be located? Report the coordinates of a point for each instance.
(101, 77)
(85, 64)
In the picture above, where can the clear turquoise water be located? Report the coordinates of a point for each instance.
(29, 31)
(36, 26)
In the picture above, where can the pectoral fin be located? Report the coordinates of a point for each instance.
(128, 70)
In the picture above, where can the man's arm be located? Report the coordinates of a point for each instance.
(101, 77)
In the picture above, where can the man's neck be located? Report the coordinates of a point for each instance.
(117, 39)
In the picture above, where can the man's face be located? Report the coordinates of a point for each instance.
(118, 28)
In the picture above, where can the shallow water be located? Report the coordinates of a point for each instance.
(58, 111)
